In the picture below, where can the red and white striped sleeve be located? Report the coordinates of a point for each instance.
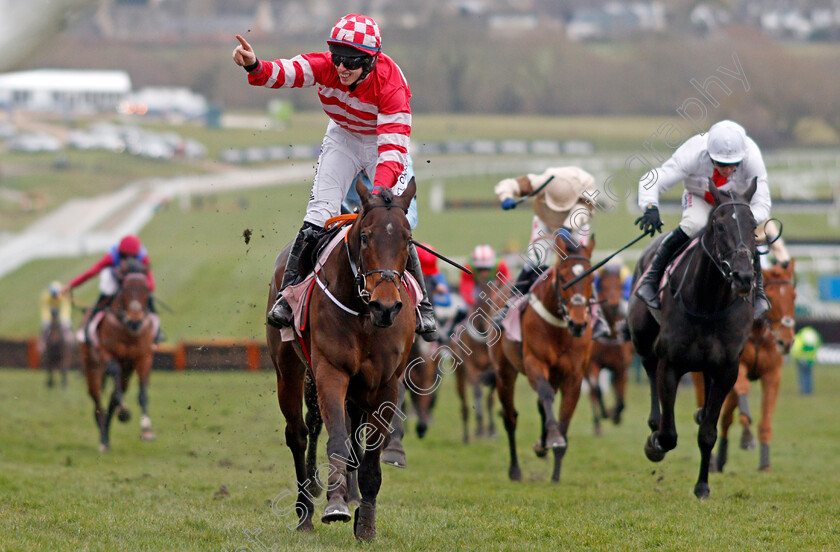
(393, 130)
(299, 72)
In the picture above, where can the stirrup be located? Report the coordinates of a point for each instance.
(427, 329)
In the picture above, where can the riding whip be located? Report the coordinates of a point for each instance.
(535, 192)
(441, 257)
(593, 268)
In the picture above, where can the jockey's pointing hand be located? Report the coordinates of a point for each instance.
(243, 55)
(649, 222)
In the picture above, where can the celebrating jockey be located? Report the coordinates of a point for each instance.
(562, 200)
(109, 279)
(366, 96)
(731, 159)
(53, 300)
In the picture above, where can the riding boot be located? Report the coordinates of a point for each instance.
(760, 304)
(281, 313)
(600, 328)
(101, 302)
(426, 323)
(524, 281)
(648, 290)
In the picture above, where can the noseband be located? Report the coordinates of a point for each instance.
(721, 261)
(359, 276)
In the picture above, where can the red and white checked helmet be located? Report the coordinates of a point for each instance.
(357, 31)
(483, 256)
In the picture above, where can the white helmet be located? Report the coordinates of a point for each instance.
(483, 256)
(726, 142)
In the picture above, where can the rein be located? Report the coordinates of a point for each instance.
(561, 318)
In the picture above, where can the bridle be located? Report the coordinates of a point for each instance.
(577, 299)
(721, 261)
(782, 321)
(359, 275)
(132, 326)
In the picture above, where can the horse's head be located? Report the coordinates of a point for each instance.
(379, 241)
(574, 301)
(778, 283)
(729, 237)
(610, 290)
(132, 301)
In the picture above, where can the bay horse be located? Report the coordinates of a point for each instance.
(613, 352)
(477, 371)
(122, 343)
(554, 353)
(770, 339)
(56, 349)
(703, 324)
(356, 344)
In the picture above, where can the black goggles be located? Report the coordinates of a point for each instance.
(350, 62)
(718, 164)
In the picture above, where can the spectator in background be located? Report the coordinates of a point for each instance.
(805, 346)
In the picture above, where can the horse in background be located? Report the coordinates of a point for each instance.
(703, 325)
(770, 339)
(613, 353)
(356, 343)
(123, 343)
(477, 371)
(554, 352)
(56, 345)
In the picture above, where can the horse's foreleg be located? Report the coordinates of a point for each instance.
(113, 369)
(570, 392)
(314, 425)
(461, 386)
(651, 364)
(505, 385)
(620, 386)
(716, 393)
(94, 381)
(595, 397)
(143, 375)
(717, 463)
(355, 417)
(394, 453)
(491, 424)
(479, 408)
(664, 438)
(537, 371)
(770, 382)
(741, 392)
(332, 386)
(370, 474)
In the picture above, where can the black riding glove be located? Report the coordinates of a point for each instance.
(650, 222)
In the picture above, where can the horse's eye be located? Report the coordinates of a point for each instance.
(364, 240)
(719, 226)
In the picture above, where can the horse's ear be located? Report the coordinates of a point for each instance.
(789, 268)
(404, 200)
(751, 189)
(716, 196)
(364, 195)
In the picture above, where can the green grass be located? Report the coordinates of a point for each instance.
(225, 429)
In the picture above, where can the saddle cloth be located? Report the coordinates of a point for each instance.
(300, 294)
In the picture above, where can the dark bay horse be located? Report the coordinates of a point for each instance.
(57, 344)
(614, 352)
(703, 325)
(477, 371)
(123, 343)
(553, 355)
(357, 344)
(770, 339)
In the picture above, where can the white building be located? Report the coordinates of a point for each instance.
(64, 90)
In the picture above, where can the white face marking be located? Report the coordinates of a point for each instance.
(389, 229)
(734, 216)
(578, 269)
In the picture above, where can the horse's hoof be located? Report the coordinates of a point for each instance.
(698, 416)
(598, 431)
(515, 473)
(747, 441)
(555, 441)
(336, 512)
(147, 435)
(422, 428)
(701, 490)
(540, 450)
(123, 414)
(765, 469)
(394, 458)
(364, 523)
(653, 451)
(50, 384)
(103, 449)
(306, 526)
